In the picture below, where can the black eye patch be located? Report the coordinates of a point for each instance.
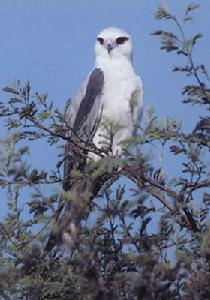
(100, 40)
(121, 40)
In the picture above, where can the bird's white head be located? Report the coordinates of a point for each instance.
(113, 42)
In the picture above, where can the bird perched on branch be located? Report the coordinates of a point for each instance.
(112, 90)
(111, 96)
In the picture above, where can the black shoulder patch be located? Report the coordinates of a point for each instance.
(94, 88)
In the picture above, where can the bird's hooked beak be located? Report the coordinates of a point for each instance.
(109, 47)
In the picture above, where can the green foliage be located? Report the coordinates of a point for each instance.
(144, 238)
(163, 12)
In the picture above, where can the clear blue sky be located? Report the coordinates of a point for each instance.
(51, 44)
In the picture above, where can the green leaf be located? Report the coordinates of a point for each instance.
(163, 12)
(188, 18)
(169, 41)
(191, 7)
(196, 37)
(8, 89)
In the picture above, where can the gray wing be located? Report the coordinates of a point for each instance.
(85, 105)
(82, 113)
(82, 116)
(136, 105)
(90, 103)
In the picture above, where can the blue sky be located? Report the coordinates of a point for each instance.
(51, 44)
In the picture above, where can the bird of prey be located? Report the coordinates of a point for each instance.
(112, 93)
(112, 90)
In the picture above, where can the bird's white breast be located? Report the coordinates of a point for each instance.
(120, 81)
(120, 84)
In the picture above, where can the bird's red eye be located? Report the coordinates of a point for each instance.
(121, 40)
(100, 40)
